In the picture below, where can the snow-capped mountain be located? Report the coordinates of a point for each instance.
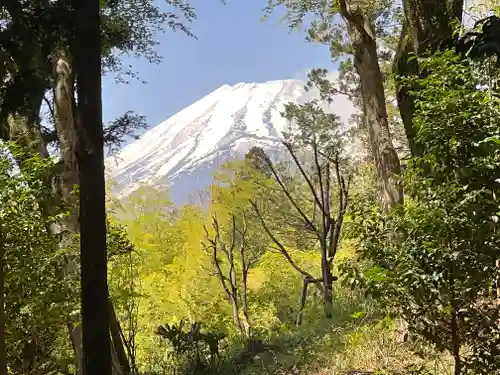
(183, 151)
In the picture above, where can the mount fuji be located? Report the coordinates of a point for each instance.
(182, 152)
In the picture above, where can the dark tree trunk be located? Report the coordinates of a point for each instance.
(90, 161)
(455, 342)
(404, 66)
(327, 285)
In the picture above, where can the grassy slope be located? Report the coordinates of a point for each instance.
(361, 344)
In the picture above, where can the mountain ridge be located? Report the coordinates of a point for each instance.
(183, 151)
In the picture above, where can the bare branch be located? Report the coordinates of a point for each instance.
(304, 174)
(212, 250)
(343, 201)
(51, 109)
(318, 170)
(279, 245)
(289, 196)
(354, 20)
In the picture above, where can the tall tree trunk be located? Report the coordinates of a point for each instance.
(375, 113)
(90, 159)
(403, 65)
(24, 129)
(363, 37)
(67, 174)
(64, 110)
(426, 25)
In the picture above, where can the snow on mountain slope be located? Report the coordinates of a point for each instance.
(183, 151)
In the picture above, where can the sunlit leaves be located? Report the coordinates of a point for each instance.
(434, 262)
(36, 295)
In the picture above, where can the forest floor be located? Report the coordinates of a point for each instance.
(359, 347)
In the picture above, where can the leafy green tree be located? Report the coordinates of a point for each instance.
(36, 294)
(123, 280)
(483, 42)
(33, 31)
(362, 24)
(233, 238)
(425, 27)
(321, 204)
(439, 270)
(257, 159)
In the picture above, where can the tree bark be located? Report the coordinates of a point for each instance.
(90, 161)
(64, 121)
(75, 336)
(363, 38)
(236, 314)
(327, 285)
(402, 66)
(374, 103)
(67, 174)
(26, 130)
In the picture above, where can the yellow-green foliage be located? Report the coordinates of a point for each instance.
(173, 279)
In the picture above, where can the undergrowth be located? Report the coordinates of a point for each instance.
(358, 340)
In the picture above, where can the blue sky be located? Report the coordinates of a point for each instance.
(233, 46)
